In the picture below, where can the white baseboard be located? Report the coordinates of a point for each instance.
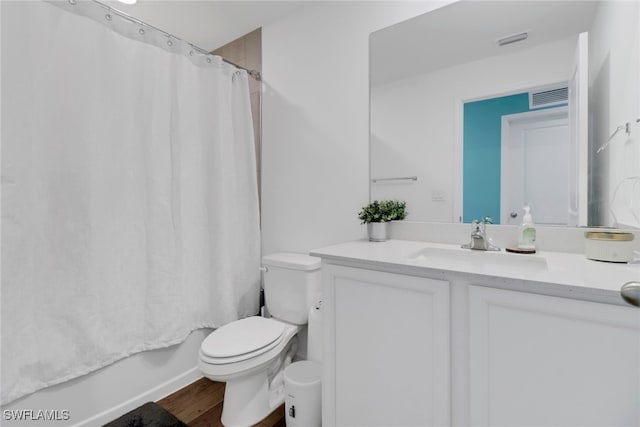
(152, 395)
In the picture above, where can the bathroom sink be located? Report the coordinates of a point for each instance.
(487, 261)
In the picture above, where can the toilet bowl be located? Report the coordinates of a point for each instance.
(250, 354)
(258, 350)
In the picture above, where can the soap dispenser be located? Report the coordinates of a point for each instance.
(527, 231)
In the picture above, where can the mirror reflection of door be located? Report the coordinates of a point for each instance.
(535, 167)
(512, 132)
(512, 155)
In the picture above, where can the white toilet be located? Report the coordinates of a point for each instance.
(250, 354)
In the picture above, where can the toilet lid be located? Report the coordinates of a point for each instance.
(241, 337)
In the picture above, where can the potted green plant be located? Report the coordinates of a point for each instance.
(378, 214)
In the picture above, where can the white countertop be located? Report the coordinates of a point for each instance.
(555, 273)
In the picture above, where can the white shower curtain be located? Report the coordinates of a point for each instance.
(129, 195)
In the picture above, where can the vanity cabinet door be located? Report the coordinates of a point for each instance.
(547, 361)
(386, 349)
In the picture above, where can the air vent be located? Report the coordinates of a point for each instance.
(548, 97)
(514, 38)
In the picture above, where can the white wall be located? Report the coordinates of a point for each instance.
(614, 84)
(416, 123)
(315, 130)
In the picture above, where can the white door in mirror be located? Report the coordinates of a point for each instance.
(535, 156)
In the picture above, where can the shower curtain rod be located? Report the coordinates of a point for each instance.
(253, 73)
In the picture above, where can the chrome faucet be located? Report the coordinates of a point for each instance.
(479, 240)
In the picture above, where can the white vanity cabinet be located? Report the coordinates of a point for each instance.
(387, 356)
(411, 345)
(539, 360)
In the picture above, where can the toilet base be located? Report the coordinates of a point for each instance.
(246, 401)
(250, 398)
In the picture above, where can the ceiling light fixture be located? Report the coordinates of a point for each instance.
(513, 38)
(127, 1)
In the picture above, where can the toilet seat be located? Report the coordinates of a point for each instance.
(241, 340)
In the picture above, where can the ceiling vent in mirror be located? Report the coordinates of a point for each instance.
(548, 97)
(513, 38)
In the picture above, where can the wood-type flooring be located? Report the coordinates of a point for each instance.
(200, 405)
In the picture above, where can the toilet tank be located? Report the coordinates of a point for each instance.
(292, 284)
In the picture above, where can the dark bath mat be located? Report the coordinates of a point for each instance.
(148, 415)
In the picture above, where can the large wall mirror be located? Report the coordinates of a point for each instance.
(481, 107)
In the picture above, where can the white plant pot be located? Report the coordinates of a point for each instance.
(378, 231)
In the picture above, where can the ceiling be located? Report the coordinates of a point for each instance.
(467, 30)
(458, 33)
(208, 24)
